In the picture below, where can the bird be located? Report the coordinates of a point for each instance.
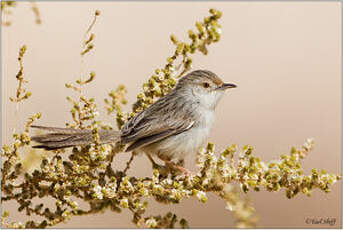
(177, 124)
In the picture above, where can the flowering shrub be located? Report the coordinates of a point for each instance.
(87, 174)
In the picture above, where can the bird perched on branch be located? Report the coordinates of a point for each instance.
(174, 126)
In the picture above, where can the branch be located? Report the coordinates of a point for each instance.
(87, 173)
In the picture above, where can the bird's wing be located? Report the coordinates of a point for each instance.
(161, 134)
(157, 123)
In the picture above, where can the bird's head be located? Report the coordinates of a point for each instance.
(205, 86)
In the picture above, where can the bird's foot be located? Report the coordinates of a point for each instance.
(185, 171)
(173, 166)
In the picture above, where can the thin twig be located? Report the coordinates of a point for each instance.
(36, 12)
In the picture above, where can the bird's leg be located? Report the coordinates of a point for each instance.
(154, 164)
(129, 162)
(171, 164)
(168, 164)
(162, 169)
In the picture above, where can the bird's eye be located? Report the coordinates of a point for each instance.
(206, 85)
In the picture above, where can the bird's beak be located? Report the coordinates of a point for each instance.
(227, 86)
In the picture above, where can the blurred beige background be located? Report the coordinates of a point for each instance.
(284, 56)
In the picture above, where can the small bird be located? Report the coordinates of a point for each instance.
(174, 126)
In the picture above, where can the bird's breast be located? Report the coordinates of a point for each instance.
(187, 142)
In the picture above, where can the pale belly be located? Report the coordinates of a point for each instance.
(176, 147)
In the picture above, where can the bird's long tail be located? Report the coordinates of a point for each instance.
(59, 138)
